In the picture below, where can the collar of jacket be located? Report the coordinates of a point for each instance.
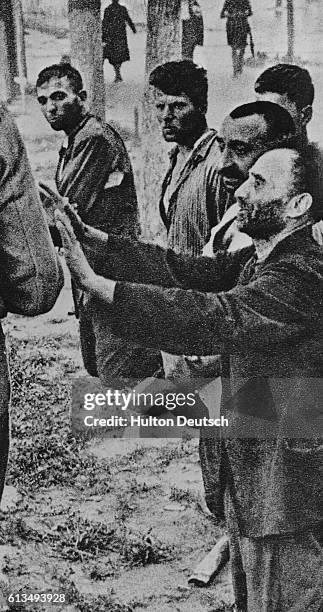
(200, 148)
(293, 243)
(79, 126)
(198, 154)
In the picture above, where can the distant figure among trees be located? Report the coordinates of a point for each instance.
(114, 36)
(192, 29)
(237, 12)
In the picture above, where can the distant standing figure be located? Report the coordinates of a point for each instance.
(114, 36)
(192, 29)
(237, 12)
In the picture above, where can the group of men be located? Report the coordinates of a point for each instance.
(248, 194)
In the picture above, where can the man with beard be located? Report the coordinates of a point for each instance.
(94, 171)
(262, 309)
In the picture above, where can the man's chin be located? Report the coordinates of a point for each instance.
(55, 125)
(169, 135)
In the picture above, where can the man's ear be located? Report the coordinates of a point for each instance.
(299, 205)
(306, 114)
(82, 95)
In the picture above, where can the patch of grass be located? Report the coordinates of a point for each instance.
(168, 454)
(140, 550)
(103, 603)
(77, 538)
(184, 495)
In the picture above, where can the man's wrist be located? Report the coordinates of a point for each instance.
(101, 288)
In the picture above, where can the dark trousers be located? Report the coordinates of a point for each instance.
(4, 411)
(237, 60)
(278, 573)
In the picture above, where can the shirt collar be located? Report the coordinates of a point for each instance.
(200, 146)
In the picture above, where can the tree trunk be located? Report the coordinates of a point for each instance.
(8, 63)
(86, 49)
(290, 30)
(20, 38)
(163, 44)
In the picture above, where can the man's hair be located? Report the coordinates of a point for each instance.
(288, 79)
(307, 174)
(183, 76)
(60, 71)
(279, 122)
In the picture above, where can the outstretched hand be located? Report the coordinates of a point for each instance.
(77, 263)
(90, 237)
(50, 195)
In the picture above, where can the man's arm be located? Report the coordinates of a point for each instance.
(130, 260)
(129, 21)
(30, 273)
(87, 172)
(274, 309)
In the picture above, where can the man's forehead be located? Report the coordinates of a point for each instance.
(169, 98)
(281, 99)
(56, 84)
(246, 129)
(273, 164)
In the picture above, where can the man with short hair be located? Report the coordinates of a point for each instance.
(31, 276)
(94, 171)
(260, 308)
(188, 189)
(291, 87)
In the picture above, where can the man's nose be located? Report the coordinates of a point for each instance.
(242, 191)
(167, 114)
(226, 159)
(50, 105)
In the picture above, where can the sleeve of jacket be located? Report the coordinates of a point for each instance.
(94, 159)
(130, 260)
(129, 21)
(30, 273)
(275, 308)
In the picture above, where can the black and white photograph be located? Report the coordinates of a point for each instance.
(161, 302)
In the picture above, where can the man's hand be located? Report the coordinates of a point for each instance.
(51, 196)
(91, 238)
(78, 265)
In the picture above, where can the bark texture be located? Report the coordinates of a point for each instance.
(86, 49)
(163, 44)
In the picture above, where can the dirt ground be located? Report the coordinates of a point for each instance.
(114, 525)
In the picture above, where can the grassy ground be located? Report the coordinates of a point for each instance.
(115, 525)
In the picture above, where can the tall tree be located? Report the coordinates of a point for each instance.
(290, 30)
(163, 44)
(86, 49)
(8, 63)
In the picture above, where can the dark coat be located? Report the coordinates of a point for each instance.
(114, 34)
(30, 272)
(88, 173)
(266, 319)
(192, 30)
(237, 22)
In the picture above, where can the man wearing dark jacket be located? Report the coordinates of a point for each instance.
(236, 13)
(31, 276)
(262, 310)
(94, 171)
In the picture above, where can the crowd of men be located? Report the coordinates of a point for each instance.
(236, 295)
